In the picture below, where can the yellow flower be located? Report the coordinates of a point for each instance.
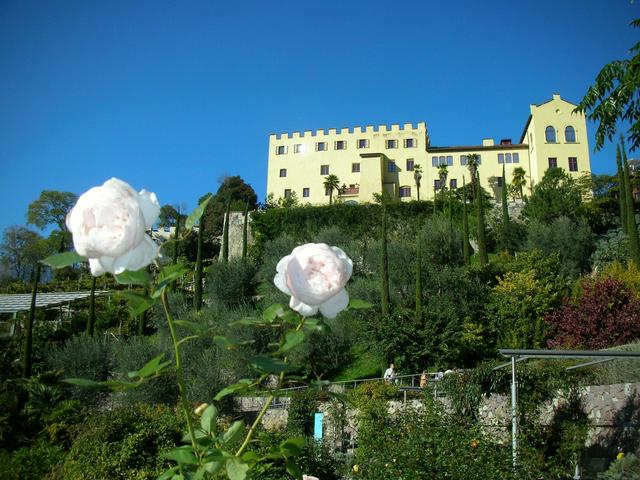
(474, 443)
(620, 456)
(355, 468)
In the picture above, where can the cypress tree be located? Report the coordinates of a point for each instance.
(225, 233)
(505, 206)
(197, 297)
(176, 240)
(92, 307)
(465, 226)
(384, 270)
(482, 241)
(28, 334)
(622, 197)
(418, 277)
(434, 199)
(245, 229)
(632, 229)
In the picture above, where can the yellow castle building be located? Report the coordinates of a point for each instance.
(372, 160)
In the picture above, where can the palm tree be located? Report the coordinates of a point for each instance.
(331, 183)
(417, 176)
(473, 160)
(443, 172)
(519, 180)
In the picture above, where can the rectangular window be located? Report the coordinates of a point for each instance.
(463, 160)
(297, 148)
(283, 172)
(391, 166)
(436, 184)
(392, 143)
(324, 169)
(341, 145)
(321, 146)
(507, 158)
(287, 192)
(355, 167)
(281, 150)
(434, 161)
(450, 160)
(516, 158)
(305, 192)
(553, 162)
(501, 158)
(573, 164)
(453, 183)
(363, 143)
(410, 143)
(405, 192)
(409, 164)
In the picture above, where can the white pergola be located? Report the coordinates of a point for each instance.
(593, 357)
(19, 302)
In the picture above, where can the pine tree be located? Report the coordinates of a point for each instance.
(622, 197)
(197, 296)
(176, 239)
(482, 241)
(505, 205)
(225, 233)
(384, 270)
(245, 230)
(418, 277)
(434, 199)
(465, 226)
(632, 229)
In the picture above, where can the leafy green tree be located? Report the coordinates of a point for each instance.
(417, 178)
(232, 188)
(518, 182)
(557, 195)
(614, 97)
(51, 208)
(331, 183)
(20, 249)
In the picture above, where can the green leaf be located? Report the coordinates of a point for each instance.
(293, 468)
(236, 469)
(83, 382)
(273, 312)
(234, 431)
(292, 339)
(169, 274)
(248, 321)
(213, 466)
(152, 367)
(197, 213)
(169, 473)
(193, 326)
(208, 419)
(61, 260)
(138, 303)
(224, 342)
(139, 277)
(269, 365)
(292, 447)
(355, 304)
(183, 455)
(240, 385)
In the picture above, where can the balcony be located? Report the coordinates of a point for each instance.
(350, 191)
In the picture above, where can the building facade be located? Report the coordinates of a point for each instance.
(372, 160)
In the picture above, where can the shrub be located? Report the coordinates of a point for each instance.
(231, 283)
(31, 463)
(604, 315)
(611, 247)
(126, 443)
(625, 468)
(82, 357)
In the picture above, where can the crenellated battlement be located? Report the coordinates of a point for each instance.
(333, 132)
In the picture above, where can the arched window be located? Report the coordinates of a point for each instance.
(550, 134)
(570, 134)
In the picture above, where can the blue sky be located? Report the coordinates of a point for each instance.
(170, 96)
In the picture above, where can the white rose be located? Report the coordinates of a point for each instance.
(109, 224)
(315, 275)
(309, 477)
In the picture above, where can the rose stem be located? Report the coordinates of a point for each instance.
(176, 347)
(256, 422)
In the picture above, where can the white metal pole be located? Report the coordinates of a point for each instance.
(514, 418)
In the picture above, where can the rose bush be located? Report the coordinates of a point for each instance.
(109, 225)
(315, 275)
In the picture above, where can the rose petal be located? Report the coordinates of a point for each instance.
(332, 307)
(279, 282)
(150, 207)
(302, 308)
(345, 260)
(96, 267)
(139, 257)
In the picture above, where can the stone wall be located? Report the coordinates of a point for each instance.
(236, 225)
